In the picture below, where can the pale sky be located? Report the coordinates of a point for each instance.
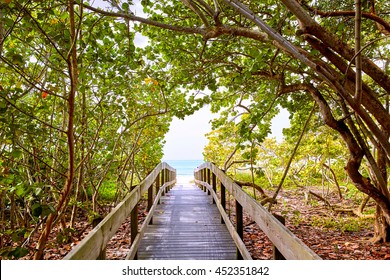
(186, 138)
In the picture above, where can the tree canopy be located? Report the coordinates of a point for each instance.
(82, 106)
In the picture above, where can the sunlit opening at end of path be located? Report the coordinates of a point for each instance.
(185, 179)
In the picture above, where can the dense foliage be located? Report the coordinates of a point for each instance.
(253, 57)
(83, 107)
(80, 111)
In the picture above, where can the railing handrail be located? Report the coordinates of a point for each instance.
(286, 242)
(94, 244)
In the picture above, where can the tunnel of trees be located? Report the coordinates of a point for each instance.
(84, 108)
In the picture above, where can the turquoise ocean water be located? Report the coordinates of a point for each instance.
(184, 167)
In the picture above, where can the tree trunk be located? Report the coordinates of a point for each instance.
(82, 148)
(312, 27)
(334, 179)
(94, 200)
(382, 227)
(80, 181)
(72, 70)
(356, 155)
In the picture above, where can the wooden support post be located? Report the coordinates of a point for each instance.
(134, 225)
(239, 225)
(223, 200)
(214, 183)
(167, 179)
(171, 177)
(150, 201)
(163, 180)
(204, 179)
(276, 253)
(158, 185)
(150, 197)
(208, 180)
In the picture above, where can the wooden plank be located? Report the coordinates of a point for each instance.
(186, 225)
(135, 243)
(231, 228)
(287, 243)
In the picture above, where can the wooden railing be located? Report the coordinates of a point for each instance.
(93, 246)
(287, 244)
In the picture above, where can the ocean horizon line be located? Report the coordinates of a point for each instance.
(186, 166)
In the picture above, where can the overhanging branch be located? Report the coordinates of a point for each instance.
(206, 32)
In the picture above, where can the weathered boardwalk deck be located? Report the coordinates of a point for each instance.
(186, 225)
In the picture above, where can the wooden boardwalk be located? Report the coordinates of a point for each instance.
(187, 226)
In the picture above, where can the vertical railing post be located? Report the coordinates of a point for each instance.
(204, 179)
(163, 180)
(150, 201)
(134, 225)
(208, 180)
(223, 200)
(169, 178)
(277, 255)
(214, 183)
(172, 178)
(239, 225)
(150, 197)
(158, 185)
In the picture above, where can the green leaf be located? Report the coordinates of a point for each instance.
(21, 189)
(16, 153)
(36, 210)
(38, 191)
(125, 6)
(8, 22)
(47, 210)
(17, 59)
(19, 252)
(3, 104)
